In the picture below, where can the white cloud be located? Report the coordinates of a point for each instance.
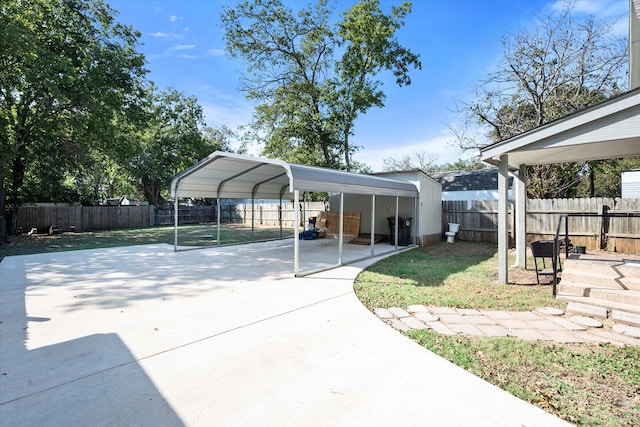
(182, 47)
(161, 35)
(231, 112)
(600, 8)
(174, 18)
(439, 148)
(208, 53)
(215, 52)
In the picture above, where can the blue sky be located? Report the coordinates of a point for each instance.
(458, 41)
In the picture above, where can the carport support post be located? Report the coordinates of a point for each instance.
(218, 214)
(503, 220)
(415, 219)
(341, 227)
(396, 224)
(296, 233)
(175, 221)
(373, 223)
(253, 221)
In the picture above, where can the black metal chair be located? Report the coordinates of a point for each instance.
(543, 250)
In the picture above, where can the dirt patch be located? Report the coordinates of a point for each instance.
(522, 277)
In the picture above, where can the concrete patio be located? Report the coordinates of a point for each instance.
(223, 336)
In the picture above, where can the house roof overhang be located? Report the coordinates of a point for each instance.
(228, 175)
(607, 130)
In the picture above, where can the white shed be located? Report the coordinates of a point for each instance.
(425, 211)
(630, 184)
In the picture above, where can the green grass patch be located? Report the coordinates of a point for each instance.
(188, 235)
(585, 384)
(462, 275)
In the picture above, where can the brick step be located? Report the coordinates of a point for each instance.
(619, 312)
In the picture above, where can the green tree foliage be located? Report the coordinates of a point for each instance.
(172, 139)
(309, 98)
(68, 70)
(559, 67)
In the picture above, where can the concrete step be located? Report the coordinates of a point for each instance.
(631, 283)
(582, 290)
(616, 295)
(630, 268)
(612, 277)
(600, 279)
(617, 311)
(571, 288)
(630, 275)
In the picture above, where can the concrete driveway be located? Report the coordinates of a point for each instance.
(225, 336)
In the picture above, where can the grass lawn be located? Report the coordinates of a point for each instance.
(586, 384)
(188, 235)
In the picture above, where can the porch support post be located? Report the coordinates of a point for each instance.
(396, 224)
(503, 220)
(296, 232)
(520, 190)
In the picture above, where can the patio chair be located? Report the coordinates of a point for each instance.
(542, 251)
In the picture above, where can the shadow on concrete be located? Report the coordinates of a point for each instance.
(85, 381)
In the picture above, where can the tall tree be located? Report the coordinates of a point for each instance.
(309, 98)
(559, 67)
(368, 38)
(67, 71)
(173, 138)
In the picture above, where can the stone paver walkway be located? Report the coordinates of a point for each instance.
(542, 324)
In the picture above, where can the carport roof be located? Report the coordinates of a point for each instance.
(228, 175)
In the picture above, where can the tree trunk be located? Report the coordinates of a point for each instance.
(347, 159)
(14, 195)
(4, 235)
(151, 191)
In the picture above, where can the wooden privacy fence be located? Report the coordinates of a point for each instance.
(186, 215)
(84, 218)
(267, 214)
(479, 221)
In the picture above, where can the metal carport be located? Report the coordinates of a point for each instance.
(228, 175)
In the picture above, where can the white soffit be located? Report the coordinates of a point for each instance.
(228, 175)
(607, 130)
